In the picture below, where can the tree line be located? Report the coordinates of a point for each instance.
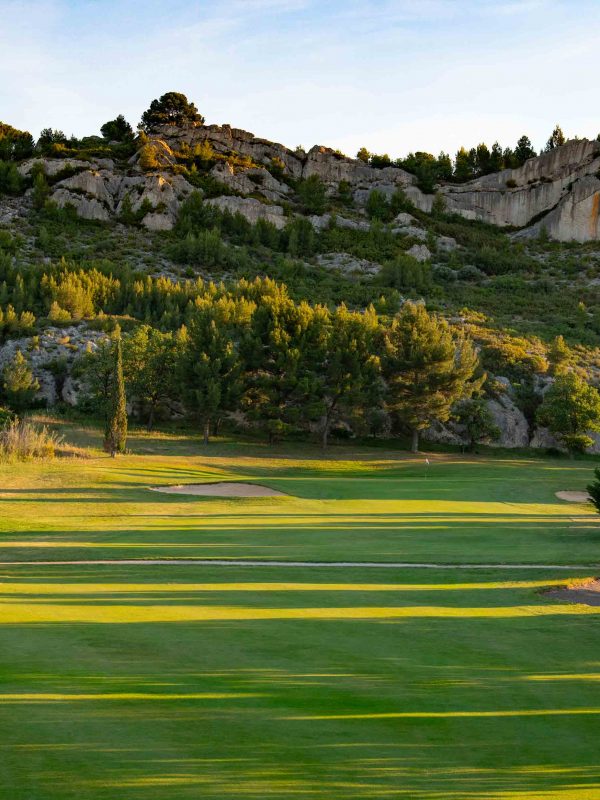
(292, 367)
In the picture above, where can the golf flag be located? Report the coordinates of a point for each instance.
(427, 461)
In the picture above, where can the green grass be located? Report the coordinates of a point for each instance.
(357, 504)
(179, 682)
(453, 707)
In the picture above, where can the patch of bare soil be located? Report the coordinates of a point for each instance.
(221, 489)
(574, 497)
(585, 593)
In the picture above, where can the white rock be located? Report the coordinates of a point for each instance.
(510, 420)
(419, 252)
(251, 209)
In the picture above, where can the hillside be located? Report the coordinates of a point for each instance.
(511, 258)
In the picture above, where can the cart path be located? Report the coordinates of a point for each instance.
(221, 562)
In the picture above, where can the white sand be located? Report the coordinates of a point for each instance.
(574, 497)
(221, 489)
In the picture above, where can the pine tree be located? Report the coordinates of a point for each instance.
(427, 369)
(210, 368)
(571, 408)
(524, 151)
(556, 139)
(115, 435)
(20, 387)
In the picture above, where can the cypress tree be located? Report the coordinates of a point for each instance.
(115, 434)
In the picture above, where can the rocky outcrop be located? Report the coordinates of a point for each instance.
(559, 191)
(420, 252)
(100, 194)
(348, 264)
(51, 356)
(251, 209)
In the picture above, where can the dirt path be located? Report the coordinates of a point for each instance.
(220, 562)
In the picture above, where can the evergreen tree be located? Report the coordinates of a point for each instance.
(278, 351)
(427, 369)
(557, 138)
(210, 368)
(15, 145)
(483, 159)
(349, 370)
(570, 409)
(20, 387)
(496, 158)
(117, 130)
(463, 165)
(559, 356)
(476, 418)
(594, 489)
(172, 108)
(41, 191)
(377, 205)
(115, 434)
(149, 366)
(311, 192)
(524, 151)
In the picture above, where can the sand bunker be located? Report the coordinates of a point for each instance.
(586, 593)
(221, 489)
(574, 497)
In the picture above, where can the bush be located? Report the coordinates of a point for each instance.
(22, 441)
(594, 489)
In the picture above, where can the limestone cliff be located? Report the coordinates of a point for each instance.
(558, 191)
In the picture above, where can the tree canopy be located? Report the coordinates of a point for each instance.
(117, 130)
(172, 108)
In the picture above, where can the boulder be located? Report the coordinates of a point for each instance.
(419, 252)
(511, 422)
(451, 433)
(542, 439)
(85, 207)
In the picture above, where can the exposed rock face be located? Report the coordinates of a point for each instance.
(511, 422)
(348, 264)
(323, 221)
(251, 209)
(54, 345)
(420, 252)
(558, 191)
(100, 195)
(560, 186)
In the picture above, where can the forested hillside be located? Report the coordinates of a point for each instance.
(267, 288)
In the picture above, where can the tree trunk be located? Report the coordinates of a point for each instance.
(206, 431)
(415, 441)
(150, 423)
(325, 435)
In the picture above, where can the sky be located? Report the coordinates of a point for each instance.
(390, 75)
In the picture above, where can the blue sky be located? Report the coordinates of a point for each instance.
(391, 75)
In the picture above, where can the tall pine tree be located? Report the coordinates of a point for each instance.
(427, 369)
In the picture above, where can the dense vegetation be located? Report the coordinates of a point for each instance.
(199, 315)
